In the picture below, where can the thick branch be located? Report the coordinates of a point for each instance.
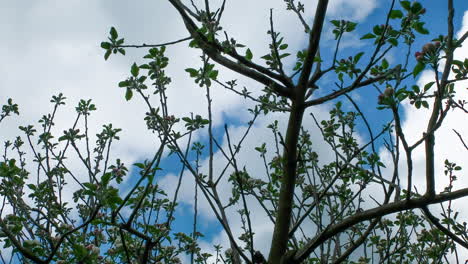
(243, 66)
(442, 228)
(314, 40)
(380, 211)
(430, 140)
(348, 89)
(286, 196)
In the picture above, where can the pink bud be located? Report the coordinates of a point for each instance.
(428, 47)
(388, 91)
(380, 98)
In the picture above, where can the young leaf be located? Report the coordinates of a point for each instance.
(213, 74)
(368, 36)
(336, 23)
(425, 104)
(106, 45)
(406, 5)
(396, 14)
(418, 68)
(358, 57)
(107, 54)
(128, 94)
(419, 27)
(351, 26)
(113, 33)
(384, 64)
(248, 55)
(134, 70)
(123, 84)
(428, 86)
(192, 71)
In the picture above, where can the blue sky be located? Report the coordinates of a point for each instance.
(53, 46)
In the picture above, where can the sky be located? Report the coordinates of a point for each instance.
(52, 47)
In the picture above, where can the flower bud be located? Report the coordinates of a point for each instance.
(428, 47)
(380, 98)
(388, 92)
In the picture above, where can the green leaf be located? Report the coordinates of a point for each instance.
(358, 57)
(192, 71)
(428, 86)
(425, 104)
(384, 64)
(406, 5)
(213, 75)
(396, 14)
(107, 54)
(336, 23)
(267, 57)
(458, 63)
(113, 33)
(417, 104)
(134, 70)
(351, 26)
(142, 79)
(418, 68)
(284, 55)
(393, 41)
(283, 46)
(248, 55)
(106, 45)
(123, 84)
(89, 185)
(106, 178)
(419, 27)
(368, 36)
(128, 94)
(139, 165)
(416, 7)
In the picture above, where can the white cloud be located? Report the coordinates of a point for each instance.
(352, 9)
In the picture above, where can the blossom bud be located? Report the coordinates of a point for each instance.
(388, 92)
(428, 47)
(380, 98)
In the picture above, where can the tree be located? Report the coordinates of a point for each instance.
(320, 207)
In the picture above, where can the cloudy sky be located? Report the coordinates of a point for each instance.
(51, 46)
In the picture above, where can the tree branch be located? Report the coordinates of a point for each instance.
(243, 66)
(380, 211)
(314, 41)
(442, 228)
